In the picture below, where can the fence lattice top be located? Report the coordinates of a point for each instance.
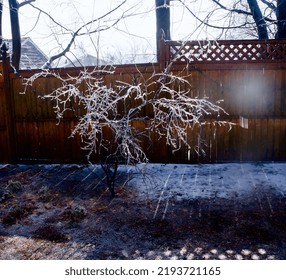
(227, 51)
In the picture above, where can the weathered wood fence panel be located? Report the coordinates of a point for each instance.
(7, 129)
(253, 94)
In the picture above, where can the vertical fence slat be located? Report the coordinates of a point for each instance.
(9, 150)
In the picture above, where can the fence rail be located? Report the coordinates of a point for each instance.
(250, 76)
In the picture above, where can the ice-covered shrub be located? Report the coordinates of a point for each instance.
(107, 113)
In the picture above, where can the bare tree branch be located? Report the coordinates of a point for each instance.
(68, 47)
(100, 18)
(270, 5)
(77, 33)
(211, 25)
(34, 26)
(25, 3)
(50, 17)
(239, 11)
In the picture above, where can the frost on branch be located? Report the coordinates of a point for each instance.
(113, 119)
(107, 113)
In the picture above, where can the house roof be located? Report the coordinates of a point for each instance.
(31, 55)
(84, 60)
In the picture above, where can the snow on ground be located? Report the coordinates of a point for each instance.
(186, 181)
(182, 181)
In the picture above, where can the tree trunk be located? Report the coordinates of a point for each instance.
(1, 12)
(16, 36)
(163, 22)
(281, 19)
(259, 19)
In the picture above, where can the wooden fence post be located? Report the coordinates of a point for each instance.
(7, 124)
(163, 57)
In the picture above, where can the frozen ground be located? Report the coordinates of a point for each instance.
(211, 211)
(161, 181)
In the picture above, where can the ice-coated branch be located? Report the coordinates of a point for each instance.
(106, 114)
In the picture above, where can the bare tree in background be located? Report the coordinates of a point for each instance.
(259, 19)
(85, 29)
(1, 13)
(16, 35)
(281, 18)
(254, 18)
(15, 29)
(162, 23)
(262, 19)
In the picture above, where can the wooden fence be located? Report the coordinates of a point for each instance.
(250, 76)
